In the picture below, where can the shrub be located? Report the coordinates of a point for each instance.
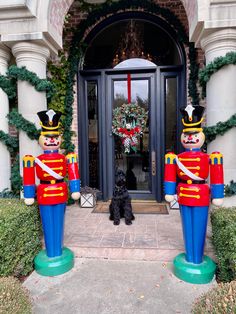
(219, 300)
(14, 299)
(224, 241)
(20, 232)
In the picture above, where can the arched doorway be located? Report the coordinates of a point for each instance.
(138, 50)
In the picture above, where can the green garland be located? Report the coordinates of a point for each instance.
(22, 74)
(8, 82)
(221, 128)
(11, 142)
(214, 66)
(8, 85)
(15, 118)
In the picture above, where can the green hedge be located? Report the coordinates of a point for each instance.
(20, 233)
(224, 241)
(14, 299)
(219, 300)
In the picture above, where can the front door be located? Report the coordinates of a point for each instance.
(140, 166)
(158, 91)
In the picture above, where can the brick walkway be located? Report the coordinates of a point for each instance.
(150, 237)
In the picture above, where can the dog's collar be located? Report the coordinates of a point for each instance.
(118, 187)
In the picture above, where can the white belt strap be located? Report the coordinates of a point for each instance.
(48, 170)
(186, 171)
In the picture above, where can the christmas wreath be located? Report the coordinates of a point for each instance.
(129, 121)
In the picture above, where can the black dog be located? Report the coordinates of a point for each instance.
(120, 206)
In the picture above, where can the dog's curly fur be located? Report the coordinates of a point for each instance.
(120, 206)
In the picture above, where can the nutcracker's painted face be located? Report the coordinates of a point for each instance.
(192, 140)
(50, 143)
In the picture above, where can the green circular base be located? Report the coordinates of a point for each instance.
(53, 266)
(194, 273)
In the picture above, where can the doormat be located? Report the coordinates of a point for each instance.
(139, 207)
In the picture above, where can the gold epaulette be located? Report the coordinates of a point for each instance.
(216, 158)
(71, 158)
(28, 161)
(170, 158)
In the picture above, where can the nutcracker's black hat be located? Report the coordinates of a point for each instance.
(192, 118)
(49, 121)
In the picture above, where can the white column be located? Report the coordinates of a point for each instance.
(221, 99)
(5, 161)
(34, 58)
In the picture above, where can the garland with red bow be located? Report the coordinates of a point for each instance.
(129, 121)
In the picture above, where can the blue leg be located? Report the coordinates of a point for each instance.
(200, 216)
(46, 213)
(53, 226)
(187, 226)
(58, 218)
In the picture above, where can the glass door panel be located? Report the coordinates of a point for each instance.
(171, 114)
(93, 138)
(134, 164)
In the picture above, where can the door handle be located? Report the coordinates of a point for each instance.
(153, 163)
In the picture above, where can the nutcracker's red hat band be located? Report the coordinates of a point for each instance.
(192, 118)
(49, 121)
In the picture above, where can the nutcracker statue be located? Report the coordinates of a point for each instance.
(51, 168)
(192, 168)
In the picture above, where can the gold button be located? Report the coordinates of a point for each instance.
(189, 181)
(53, 181)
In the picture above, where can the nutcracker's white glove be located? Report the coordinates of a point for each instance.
(169, 198)
(29, 201)
(75, 195)
(217, 201)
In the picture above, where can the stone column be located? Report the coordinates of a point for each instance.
(5, 161)
(221, 99)
(34, 57)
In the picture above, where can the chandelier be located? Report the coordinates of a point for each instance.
(131, 45)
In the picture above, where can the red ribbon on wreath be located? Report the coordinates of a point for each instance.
(129, 132)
